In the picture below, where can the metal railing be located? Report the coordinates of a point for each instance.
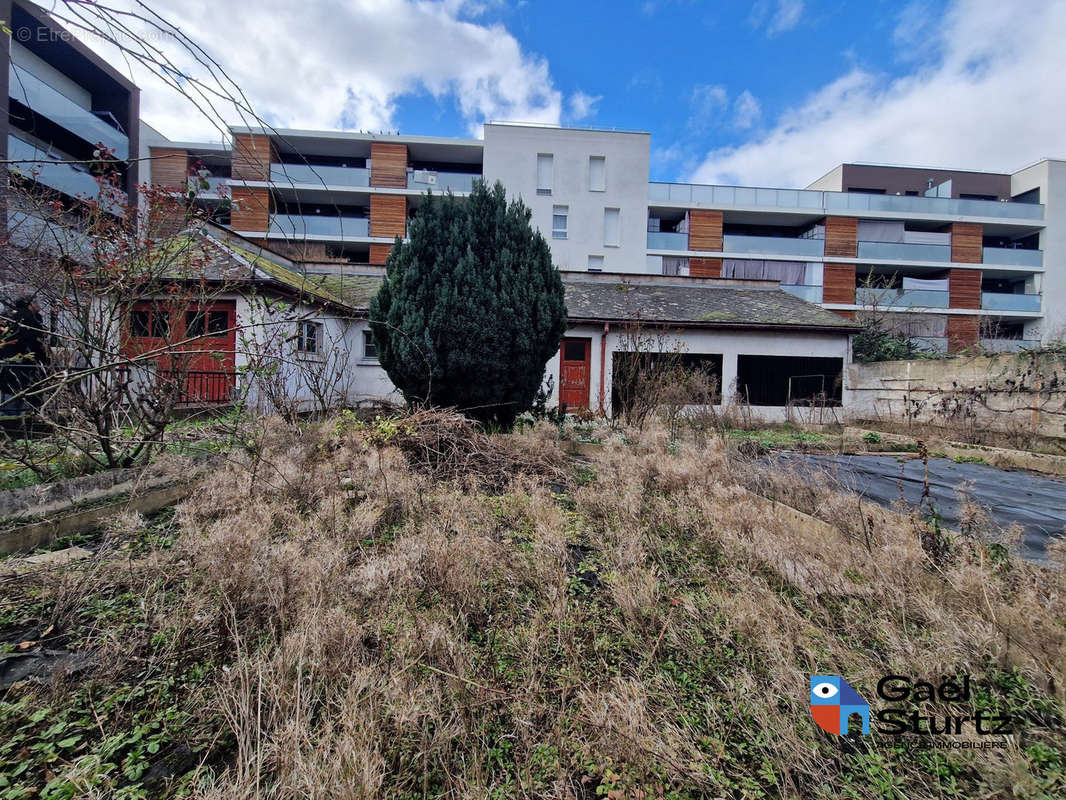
(200, 387)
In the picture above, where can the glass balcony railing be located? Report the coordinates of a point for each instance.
(836, 202)
(28, 89)
(667, 240)
(338, 228)
(931, 344)
(1009, 256)
(775, 245)
(319, 176)
(1009, 345)
(894, 298)
(456, 182)
(812, 294)
(899, 251)
(1001, 301)
(70, 179)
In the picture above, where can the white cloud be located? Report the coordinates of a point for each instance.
(777, 17)
(989, 97)
(583, 105)
(317, 64)
(746, 110)
(707, 103)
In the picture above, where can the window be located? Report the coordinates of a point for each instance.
(545, 168)
(611, 227)
(597, 173)
(309, 339)
(152, 324)
(217, 323)
(139, 323)
(575, 349)
(595, 263)
(370, 348)
(559, 221)
(789, 380)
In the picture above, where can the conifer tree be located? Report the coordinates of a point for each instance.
(471, 308)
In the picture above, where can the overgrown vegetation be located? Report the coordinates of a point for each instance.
(404, 607)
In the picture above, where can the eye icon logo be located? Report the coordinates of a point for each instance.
(833, 701)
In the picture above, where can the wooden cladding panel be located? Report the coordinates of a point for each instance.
(251, 157)
(388, 165)
(964, 288)
(838, 283)
(842, 237)
(251, 209)
(963, 330)
(966, 245)
(170, 166)
(705, 231)
(388, 215)
(705, 267)
(379, 252)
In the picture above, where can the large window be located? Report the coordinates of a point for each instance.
(694, 378)
(559, 214)
(597, 173)
(545, 168)
(789, 380)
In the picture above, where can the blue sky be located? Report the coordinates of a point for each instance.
(676, 68)
(768, 92)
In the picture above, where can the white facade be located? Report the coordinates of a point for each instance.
(1049, 177)
(597, 179)
(730, 344)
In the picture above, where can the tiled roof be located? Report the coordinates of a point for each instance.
(695, 303)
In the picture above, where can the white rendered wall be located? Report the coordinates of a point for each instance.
(1050, 177)
(511, 157)
(729, 343)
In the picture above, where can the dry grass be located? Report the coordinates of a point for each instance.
(409, 609)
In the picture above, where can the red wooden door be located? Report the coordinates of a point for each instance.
(575, 357)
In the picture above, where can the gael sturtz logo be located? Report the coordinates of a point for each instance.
(834, 701)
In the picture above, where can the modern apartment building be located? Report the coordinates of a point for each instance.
(63, 103)
(955, 259)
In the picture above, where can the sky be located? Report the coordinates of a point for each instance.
(762, 93)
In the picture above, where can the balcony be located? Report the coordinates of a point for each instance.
(997, 301)
(663, 240)
(65, 178)
(1009, 345)
(1015, 257)
(456, 182)
(333, 228)
(812, 294)
(898, 251)
(894, 298)
(775, 245)
(319, 177)
(834, 202)
(28, 89)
